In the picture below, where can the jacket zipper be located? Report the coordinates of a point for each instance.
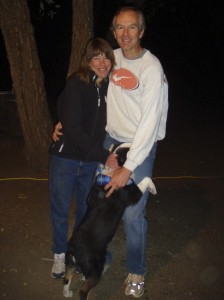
(96, 117)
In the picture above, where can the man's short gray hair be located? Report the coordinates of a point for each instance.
(130, 8)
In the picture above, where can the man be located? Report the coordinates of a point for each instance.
(137, 105)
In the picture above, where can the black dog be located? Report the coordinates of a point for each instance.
(88, 244)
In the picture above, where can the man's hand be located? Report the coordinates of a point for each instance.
(111, 162)
(119, 179)
(56, 134)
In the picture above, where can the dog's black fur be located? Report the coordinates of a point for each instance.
(88, 244)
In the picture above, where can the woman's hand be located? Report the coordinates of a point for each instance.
(57, 132)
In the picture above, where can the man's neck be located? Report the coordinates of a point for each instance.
(132, 54)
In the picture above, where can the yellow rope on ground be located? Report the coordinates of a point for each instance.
(188, 177)
(23, 178)
(154, 178)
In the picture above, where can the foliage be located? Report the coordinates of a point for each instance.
(41, 9)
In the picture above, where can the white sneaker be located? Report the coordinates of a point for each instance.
(58, 268)
(134, 285)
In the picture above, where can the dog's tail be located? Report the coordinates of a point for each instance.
(147, 184)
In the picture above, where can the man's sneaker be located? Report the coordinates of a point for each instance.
(58, 269)
(134, 285)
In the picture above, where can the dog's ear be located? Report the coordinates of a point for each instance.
(122, 155)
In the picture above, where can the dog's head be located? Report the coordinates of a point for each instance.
(121, 151)
(121, 155)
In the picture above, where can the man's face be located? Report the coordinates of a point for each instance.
(128, 33)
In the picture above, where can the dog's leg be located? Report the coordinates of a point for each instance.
(87, 286)
(92, 270)
(147, 183)
(66, 291)
(70, 270)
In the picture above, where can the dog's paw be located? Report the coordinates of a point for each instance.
(67, 292)
(147, 183)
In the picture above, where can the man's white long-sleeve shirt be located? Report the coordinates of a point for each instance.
(137, 104)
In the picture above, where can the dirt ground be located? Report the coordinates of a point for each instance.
(186, 224)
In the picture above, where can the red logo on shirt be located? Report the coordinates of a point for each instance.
(125, 79)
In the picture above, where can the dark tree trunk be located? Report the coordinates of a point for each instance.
(82, 30)
(28, 82)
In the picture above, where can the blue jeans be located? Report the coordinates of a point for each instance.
(68, 177)
(134, 217)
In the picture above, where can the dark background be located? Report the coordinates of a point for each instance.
(187, 36)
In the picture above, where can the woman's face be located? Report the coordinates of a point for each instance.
(100, 65)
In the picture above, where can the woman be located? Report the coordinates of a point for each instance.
(82, 112)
